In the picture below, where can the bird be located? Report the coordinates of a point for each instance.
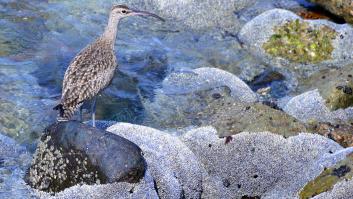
(93, 68)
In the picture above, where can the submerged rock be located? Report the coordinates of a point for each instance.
(334, 85)
(341, 96)
(72, 153)
(230, 117)
(184, 94)
(326, 80)
(342, 8)
(303, 41)
(208, 96)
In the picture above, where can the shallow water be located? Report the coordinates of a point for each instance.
(39, 38)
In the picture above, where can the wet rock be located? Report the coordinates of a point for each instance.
(175, 169)
(269, 25)
(338, 7)
(325, 80)
(72, 153)
(271, 84)
(341, 96)
(341, 190)
(316, 12)
(219, 109)
(308, 14)
(230, 117)
(208, 96)
(257, 164)
(342, 134)
(325, 182)
(184, 94)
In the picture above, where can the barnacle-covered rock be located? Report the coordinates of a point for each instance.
(55, 169)
(283, 39)
(72, 153)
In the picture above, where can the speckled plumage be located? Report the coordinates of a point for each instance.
(93, 68)
(90, 71)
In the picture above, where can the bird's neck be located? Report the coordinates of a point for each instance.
(111, 30)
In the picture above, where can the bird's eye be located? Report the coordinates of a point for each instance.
(123, 11)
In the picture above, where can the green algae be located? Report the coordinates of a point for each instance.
(328, 178)
(299, 42)
(341, 96)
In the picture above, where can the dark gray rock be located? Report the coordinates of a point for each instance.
(73, 153)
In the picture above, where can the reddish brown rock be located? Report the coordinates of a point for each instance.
(342, 8)
(342, 134)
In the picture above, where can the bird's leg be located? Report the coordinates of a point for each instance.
(80, 112)
(93, 111)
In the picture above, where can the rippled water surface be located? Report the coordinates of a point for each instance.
(39, 38)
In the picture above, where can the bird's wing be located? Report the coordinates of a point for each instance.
(78, 63)
(90, 71)
(83, 88)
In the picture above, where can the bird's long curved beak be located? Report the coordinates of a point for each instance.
(144, 13)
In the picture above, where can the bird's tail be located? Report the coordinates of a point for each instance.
(62, 116)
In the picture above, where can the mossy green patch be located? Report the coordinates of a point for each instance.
(341, 96)
(328, 178)
(297, 41)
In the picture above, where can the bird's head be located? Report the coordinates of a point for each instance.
(122, 11)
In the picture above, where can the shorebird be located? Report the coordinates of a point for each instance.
(92, 70)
